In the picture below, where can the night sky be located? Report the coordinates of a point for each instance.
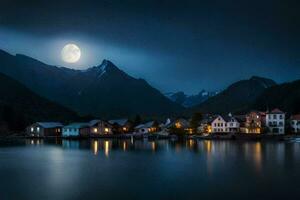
(174, 45)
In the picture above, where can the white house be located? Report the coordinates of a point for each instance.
(218, 125)
(295, 123)
(225, 124)
(76, 129)
(275, 121)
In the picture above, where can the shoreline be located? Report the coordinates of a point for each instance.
(242, 137)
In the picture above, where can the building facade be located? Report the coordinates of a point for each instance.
(76, 130)
(45, 129)
(295, 123)
(253, 123)
(275, 121)
(100, 127)
(225, 124)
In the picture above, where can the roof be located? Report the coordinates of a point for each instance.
(77, 125)
(120, 122)
(226, 118)
(50, 124)
(146, 125)
(94, 122)
(276, 111)
(295, 117)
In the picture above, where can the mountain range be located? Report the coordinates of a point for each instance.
(20, 106)
(190, 100)
(256, 93)
(101, 91)
(33, 90)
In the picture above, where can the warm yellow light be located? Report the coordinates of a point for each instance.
(209, 130)
(153, 146)
(95, 147)
(106, 148)
(177, 125)
(124, 146)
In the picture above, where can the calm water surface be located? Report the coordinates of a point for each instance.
(125, 169)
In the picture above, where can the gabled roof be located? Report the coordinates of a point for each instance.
(276, 111)
(226, 118)
(120, 122)
(146, 125)
(295, 117)
(94, 122)
(50, 124)
(77, 125)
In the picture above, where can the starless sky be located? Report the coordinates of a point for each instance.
(175, 45)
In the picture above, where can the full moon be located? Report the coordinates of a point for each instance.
(71, 53)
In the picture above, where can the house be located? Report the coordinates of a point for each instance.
(295, 123)
(148, 127)
(100, 127)
(180, 123)
(275, 121)
(45, 129)
(76, 129)
(121, 125)
(253, 123)
(205, 125)
(225, 124)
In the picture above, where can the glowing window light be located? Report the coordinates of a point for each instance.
(177, 125)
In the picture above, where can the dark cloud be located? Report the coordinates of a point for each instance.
(199, 44)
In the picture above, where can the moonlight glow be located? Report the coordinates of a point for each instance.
(70, 53)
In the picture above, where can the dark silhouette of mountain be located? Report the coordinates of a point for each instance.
(103, 91)
(19, 106)
(190, 100)
(284, 96)
(237, 97)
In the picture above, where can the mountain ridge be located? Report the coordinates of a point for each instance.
(103, 90)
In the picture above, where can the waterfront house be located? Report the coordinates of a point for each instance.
(295, 123)
(148, 127)
(121, 125)
(225, 124)
(100, 127)
(205, 125)
(45, 129)
(275, 121)
(76, 129)
(253, 123)
(180, 124)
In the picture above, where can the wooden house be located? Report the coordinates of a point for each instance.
(45, 129)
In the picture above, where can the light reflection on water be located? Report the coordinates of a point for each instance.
(101, 165)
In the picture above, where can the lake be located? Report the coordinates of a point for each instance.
(135, 169)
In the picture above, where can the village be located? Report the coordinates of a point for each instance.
(254, 123)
